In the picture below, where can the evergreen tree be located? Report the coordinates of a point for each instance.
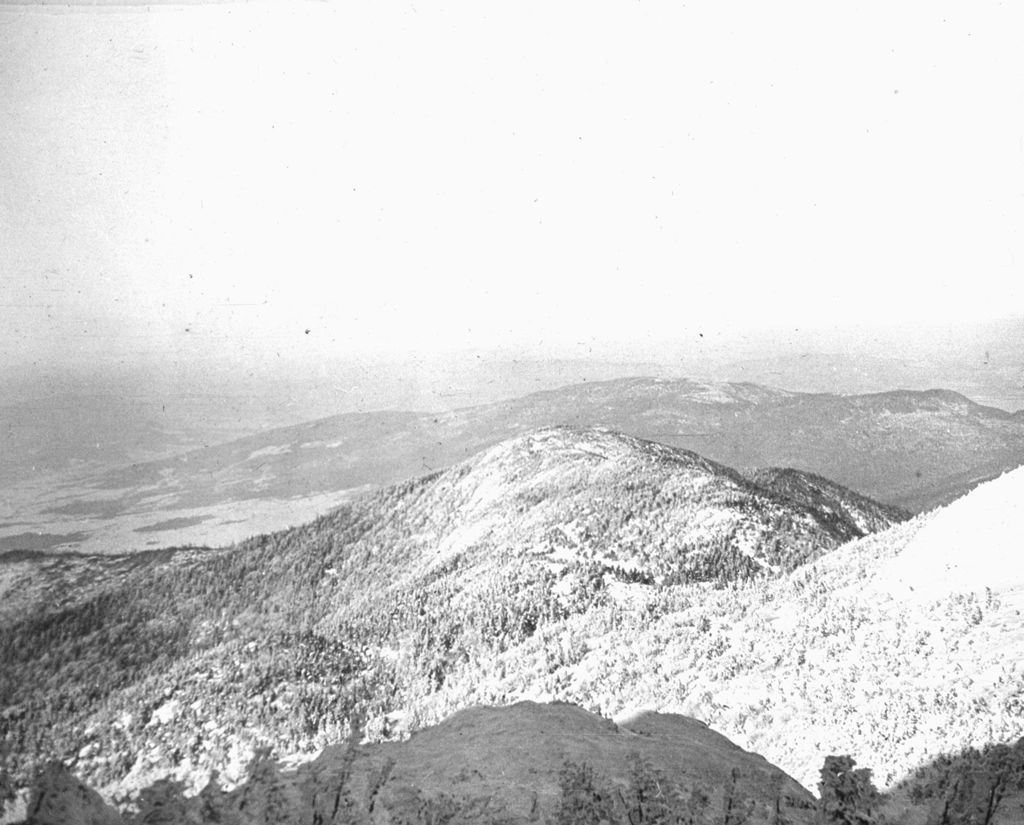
(979, 786)
(582, 802)
(735, 809)
(847, 795)
(649, 793)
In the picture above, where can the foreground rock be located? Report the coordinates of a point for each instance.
(58, 797)
(525, 763)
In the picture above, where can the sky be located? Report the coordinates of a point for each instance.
(322, 180)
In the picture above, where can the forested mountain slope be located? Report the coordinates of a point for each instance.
(288, 638)
(191, 661)
(826, 496)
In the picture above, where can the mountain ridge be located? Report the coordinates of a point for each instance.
(393, 594)
(913, 449)
(467, 430)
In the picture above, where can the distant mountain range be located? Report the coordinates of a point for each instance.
(914, 449)
(989, 375)
(910, 449)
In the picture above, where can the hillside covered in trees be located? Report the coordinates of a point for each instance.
(514, 576)
(183, 661)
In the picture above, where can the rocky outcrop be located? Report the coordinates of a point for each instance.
(58, 798)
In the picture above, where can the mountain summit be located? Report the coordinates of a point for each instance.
(591, 494)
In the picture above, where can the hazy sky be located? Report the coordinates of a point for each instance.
(205, 180)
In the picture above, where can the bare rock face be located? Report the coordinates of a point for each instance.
(58, 798)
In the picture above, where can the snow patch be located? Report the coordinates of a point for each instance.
(165, 713)
(273, 449)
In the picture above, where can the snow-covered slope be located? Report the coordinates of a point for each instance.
(591, 494)
(823, 661)
(973, 545)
